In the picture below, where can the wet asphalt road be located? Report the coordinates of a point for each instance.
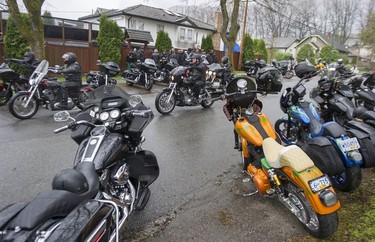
(199, 193)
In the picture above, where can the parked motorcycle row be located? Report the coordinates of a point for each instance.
(300, 161)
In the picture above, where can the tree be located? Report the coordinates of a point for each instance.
(207, 43)
(47, 18)
(110, 38)
(15, 44)
(248, 49)
(32, 28)
(282, 56)
(229, 39)
(306, 52)
(368, 33)
(260, 51)
(328, 53)
(163, 43)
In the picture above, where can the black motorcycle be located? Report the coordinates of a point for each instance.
(285, 68)
(217, 79)
(109, 180)
(163, 70)
(180, 93)
(142, 74)
(105, 76)
(251, 68)
(12, 81)
(43, 91)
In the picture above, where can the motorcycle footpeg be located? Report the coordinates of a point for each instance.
(144, 196)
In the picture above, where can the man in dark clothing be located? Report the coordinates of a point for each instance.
(156, 56)
(198, 74)
(131, 59)
(181, 57)
(212, 57)
(73, 78)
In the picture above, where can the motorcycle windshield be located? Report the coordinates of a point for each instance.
(214, 67)
(95, 97)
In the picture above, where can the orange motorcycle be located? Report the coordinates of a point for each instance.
(277, 171)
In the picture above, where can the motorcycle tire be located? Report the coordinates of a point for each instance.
(148, 84)
(207, 103)
(5, 95)
(16, 109)
(289, 74)
(81, 100)
(281, 127)
(161, 102)
(129, 83)
(349, 180)
(318, 225)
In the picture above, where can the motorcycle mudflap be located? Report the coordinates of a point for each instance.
(143, 166)
(324, 155)
(83, 221)
(366, 138)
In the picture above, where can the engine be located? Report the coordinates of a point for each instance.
(120, 186)
(49, 94)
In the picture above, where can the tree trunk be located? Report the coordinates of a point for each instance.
(33, 29)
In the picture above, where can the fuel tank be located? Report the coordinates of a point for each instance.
(255, 128)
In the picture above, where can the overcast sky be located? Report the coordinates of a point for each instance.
(73, 9)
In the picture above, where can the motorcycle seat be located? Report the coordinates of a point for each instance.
(280, 156)
(56, 203)
(364, 114)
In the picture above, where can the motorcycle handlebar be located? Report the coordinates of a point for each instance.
(137, 113)
(73, 124)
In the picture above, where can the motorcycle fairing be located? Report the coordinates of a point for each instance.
(255, 128)
(341, 104)
(301, 179)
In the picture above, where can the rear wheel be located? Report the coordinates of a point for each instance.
(162, 104)
(18, 109)
(349, 180)
(5, 94)
(320, 226)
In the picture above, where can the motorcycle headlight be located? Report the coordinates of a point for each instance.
(104, 116)
(172, 78)
(114, 113)
(32, 82)
(210, 73)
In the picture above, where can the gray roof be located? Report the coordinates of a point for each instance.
(336, 44)
(281, 42)
(139, 36)
(153, 13)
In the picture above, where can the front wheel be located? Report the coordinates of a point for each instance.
(289, 74)
(18, 109)
(349, 180)
(207, 102)
(320, 226)
(162, 104)
(281, 127)
(82, 99)
(148, 83)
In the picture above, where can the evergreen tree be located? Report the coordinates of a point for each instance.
(15, 44)
(306, 52)
(110, 38)
(207, 43)
(329, 54)
(248, 49)
(260, 51)
(163, 43)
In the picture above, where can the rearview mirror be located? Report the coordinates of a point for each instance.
(61, 116)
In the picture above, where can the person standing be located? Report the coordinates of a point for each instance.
(131, 59)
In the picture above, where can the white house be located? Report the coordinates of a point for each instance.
(142, 21)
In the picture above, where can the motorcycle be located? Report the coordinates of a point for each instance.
(285, 68)
(286, 173)
(43, 91)
(180, 93)
(110, 178)
(104, 76)
(142, 74)
(329, 145)
(217, 78)
(162, 73)
(251, 68)
(11, 81)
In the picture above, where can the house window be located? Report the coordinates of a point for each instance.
(159, 27)
(182, 33)
(185, 34)
(141, 25)
(189, 34)
(133, 24)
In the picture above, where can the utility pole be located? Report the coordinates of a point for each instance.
(243, 37)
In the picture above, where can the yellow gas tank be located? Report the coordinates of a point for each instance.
(255, 128)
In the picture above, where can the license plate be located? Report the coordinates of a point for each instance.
(319, 183)
(348, 144)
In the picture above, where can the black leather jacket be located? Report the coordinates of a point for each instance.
(73, 73)
(198, 71)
